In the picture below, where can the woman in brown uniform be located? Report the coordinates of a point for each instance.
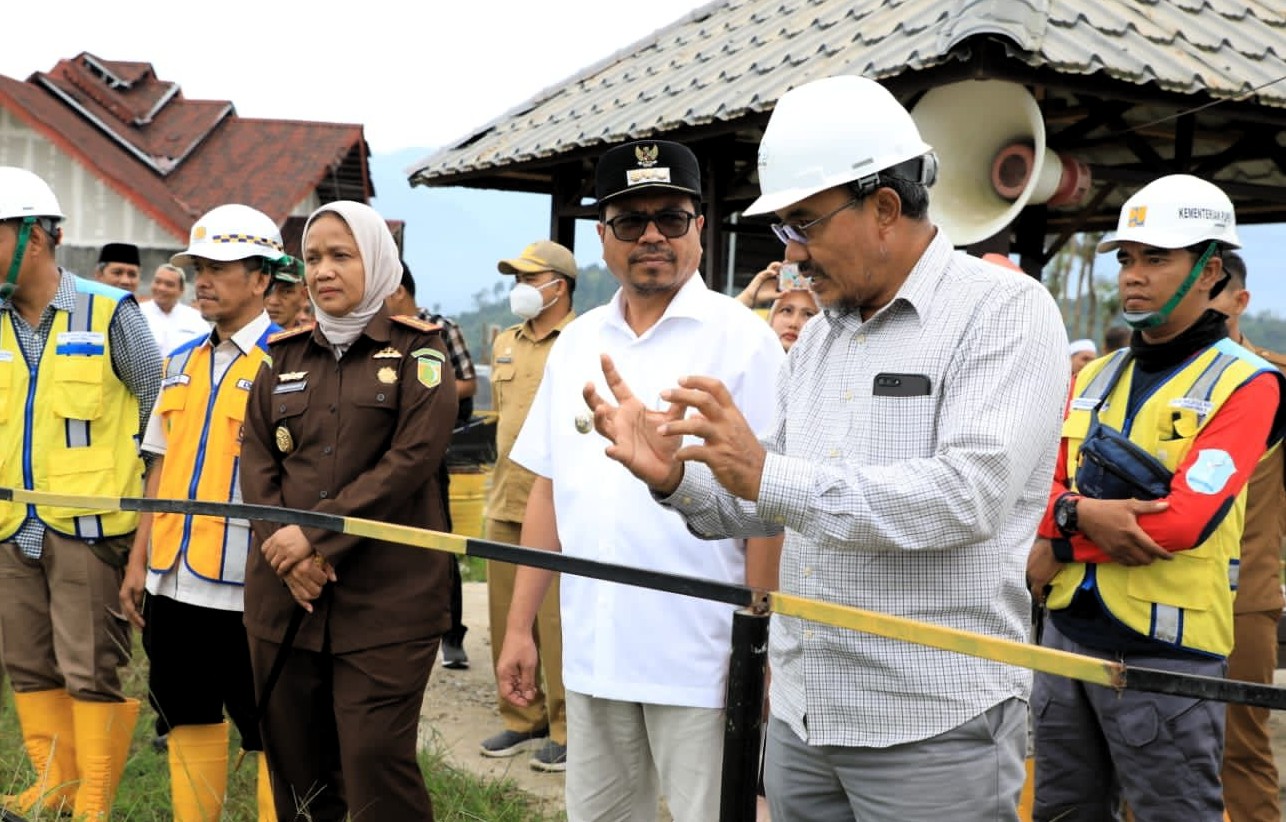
(352, 418)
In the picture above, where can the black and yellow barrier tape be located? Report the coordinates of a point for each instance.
(1074, 666)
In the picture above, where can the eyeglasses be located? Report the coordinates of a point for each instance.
(670, 222)
(795, 233)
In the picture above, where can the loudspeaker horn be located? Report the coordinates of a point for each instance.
(992, 158)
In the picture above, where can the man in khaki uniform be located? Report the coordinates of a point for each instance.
(1249, 771)
(542, 296)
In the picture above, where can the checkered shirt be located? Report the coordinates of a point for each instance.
(919, 506)
(135, 359)
(454, 339)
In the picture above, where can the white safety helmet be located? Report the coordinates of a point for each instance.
(830, 132)
(1175, 211)
(23, 194)
(233, 232)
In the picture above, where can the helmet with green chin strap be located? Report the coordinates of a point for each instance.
(1175, 211)
(27, 198)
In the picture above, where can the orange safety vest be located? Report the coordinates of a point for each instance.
(203, 431)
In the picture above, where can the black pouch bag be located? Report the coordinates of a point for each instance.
(1112, 467)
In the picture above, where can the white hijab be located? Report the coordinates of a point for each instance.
(380, 260)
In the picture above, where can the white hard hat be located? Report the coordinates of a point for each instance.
(830, 132)
(232, 232)
(1175, 211)
(23, 194)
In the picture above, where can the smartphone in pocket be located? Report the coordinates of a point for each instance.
(790, 279)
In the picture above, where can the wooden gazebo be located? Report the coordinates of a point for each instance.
(1133, 88)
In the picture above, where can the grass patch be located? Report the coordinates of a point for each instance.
(144, 794)
(473, 569)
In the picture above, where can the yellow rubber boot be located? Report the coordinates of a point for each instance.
(49, 735)
(103, 733)
(198, 771)
(263, 792)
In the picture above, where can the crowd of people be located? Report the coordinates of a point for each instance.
(908, 430)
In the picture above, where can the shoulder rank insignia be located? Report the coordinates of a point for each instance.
(389, 353)
(289, 333)
(415, 322)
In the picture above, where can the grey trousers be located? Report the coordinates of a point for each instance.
(972, 773)
(1095, 746)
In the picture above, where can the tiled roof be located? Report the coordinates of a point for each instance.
(176, 158)
(729, 61)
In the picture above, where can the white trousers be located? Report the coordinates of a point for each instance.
(619, 753)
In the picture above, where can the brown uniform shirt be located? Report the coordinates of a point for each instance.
(517, 364)
(1259, 581)
(363, 437)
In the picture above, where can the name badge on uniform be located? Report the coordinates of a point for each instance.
(177, 379)
(244, 384)
(80, 343)
(290, 387)
(6, 356)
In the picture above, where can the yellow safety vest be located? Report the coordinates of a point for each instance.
(203, 433)
(69, 425)
(1186, 602)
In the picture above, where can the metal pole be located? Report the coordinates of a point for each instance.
(745, 706)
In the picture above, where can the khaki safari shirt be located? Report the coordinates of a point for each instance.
(1259, 580)
(361, 436)
(517, 364)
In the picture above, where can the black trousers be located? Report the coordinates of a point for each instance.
(199, 665)
(340, 732)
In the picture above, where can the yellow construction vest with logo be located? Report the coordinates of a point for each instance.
(1187, 601)
(203, 433)
(68, 425)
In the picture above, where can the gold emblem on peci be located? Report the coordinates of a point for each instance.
(647, 155)
(285, 442)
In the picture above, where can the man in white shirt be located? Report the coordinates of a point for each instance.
(172, 322)
(645, 672)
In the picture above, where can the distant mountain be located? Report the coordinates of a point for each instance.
(454, 236)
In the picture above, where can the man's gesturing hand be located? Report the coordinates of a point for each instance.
(730, 447)
(632, 429)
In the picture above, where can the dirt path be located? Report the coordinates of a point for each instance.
(460, 708)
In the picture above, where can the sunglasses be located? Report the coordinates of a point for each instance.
(798, 233)
(670, 222)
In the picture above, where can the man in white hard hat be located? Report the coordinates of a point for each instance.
(193, 568)
(917, 418)
(80, 371)
(1137, 556)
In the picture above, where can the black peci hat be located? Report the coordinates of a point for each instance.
(119, 253)
(647, 164)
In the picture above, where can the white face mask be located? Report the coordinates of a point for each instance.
(526, 302)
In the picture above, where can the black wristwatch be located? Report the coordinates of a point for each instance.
(1065, 513)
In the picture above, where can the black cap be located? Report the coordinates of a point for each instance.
(119, 253)
(647, 165)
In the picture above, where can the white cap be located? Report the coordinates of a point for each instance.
(1081, 345)
(232, 232)
(1175, 211)
(830, 132)
(23, 194)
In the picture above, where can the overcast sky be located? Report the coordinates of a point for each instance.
(415, 74)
